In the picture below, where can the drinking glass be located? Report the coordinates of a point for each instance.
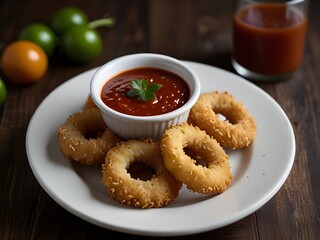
(268, 38)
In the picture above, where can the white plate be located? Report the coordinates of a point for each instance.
(258, 171)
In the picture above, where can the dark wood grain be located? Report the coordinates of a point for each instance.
(196, 30)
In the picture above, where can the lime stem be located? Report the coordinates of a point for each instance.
(104, 22)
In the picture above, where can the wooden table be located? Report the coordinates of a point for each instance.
(195, 30)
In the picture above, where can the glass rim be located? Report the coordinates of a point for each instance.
(291, 2)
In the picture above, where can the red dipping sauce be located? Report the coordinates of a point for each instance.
(173, 94)
(269, 38)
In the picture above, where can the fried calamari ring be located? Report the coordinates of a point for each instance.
(214, 177)
(85, 138)
(237, 132)
(158, 191)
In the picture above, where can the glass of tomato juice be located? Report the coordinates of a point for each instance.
(269, 38)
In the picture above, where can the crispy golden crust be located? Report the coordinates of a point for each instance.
(89, 103)
(160, 190)
(240, 129)
(85, 138)
(214, 178)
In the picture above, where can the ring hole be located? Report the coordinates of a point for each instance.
(92, 134)
(222, 117)
(141, 171)
(196, 157)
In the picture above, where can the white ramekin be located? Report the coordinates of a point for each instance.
(128, 126)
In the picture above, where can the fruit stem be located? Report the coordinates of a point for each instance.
(104, 22)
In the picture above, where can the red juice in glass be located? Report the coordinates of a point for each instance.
(268, 40)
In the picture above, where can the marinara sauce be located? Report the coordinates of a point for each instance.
(173, 94)
(269, 38)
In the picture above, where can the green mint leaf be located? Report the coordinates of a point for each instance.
(143, 84)
(150, 95)
(140, 88)
(143, 96)
(136, 84)
(134, 92)
(154, 87)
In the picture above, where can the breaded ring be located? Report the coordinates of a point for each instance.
(156, 192)
(214, 177)
(85, 138)
(237, 132)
